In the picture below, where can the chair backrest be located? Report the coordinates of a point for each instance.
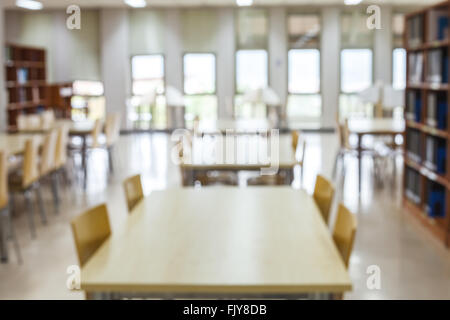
(323, 195)
(133, 191)
(30, 162)
(47, 119)
(3, 180)
(28, 122)
(95, 134)
(344, 232)
(61, 146)
(295, 136)
(90, 230)
(112, 128)
(343, 134)
(48, 152)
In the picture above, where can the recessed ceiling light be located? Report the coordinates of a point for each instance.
(136, 3)
(29, 4)
(352, 2)
(244, 3)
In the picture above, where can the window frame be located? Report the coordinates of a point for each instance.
(183, 74)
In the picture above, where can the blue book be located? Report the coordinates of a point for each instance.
(418, 108)
(441, 157)
(442, 115)
(442, 27)
(445, 69)
(436, 202)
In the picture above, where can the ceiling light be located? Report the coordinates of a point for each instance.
(244, 3)
(352, 2)
(29, 4)
(136, 3)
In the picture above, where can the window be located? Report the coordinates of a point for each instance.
(356, 63)
(200, 85)
(304, 98)
(148, 103)
(252, 59)
(251, 70)
(199, 73)
(399, 69)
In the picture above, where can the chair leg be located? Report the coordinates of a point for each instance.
(41, 204)
(3, 236)
(54, 182)
(110, 159)
(302, 175)
(336, 160)
(30, 214)
(12, 232)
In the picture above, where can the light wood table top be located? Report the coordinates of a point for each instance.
(14, 144)
(376, 126)
(258, 240)
(248, 152)
(75, 127)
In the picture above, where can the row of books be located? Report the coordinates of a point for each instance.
(413, 145)
(415, 68)
(414, 105)
(435, 206)
(435, 193)
(413, 185)
(438, 26)
(437, 109)
(26, 95)
(437, 66)
(435, 154)
(415, 34)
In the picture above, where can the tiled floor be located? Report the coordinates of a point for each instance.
(412, 264)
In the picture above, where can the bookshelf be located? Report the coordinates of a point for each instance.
(60, 99)
(426, 192)
(26, 81)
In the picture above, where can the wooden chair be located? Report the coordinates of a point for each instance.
(61, 150)
(133, 191)
(344, 233)
(27, 180)
(296, 140)
(112, 133)
(90, 230)
(5, 213)
(48, 164)
(267, 180)
(323, 196)
(28, 122)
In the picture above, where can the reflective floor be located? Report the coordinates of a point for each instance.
(412, 264)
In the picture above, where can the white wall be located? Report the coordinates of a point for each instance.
(330, 56)
(226, 63)
(278, 74)
(174, 51)
(383, 47)
(115, 63)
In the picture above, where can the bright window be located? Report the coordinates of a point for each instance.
(399, 68)
(251, 70)
(304, 71)
(356, 70)
(199, 73)
(148, 74)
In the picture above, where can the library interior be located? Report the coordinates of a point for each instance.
(172, 149)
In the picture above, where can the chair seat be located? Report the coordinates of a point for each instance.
(272, 180)
(218, 177)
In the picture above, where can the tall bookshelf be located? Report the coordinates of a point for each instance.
(427, 136)
(26, 81)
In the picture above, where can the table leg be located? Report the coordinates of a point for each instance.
(84, 161)
(359, 162)
(3, 237)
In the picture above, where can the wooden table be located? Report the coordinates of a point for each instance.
(374, 127)
(206, 157)
(14, 144)
(220, 242)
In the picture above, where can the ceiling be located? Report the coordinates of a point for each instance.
(189, 3)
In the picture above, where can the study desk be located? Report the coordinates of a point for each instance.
(374, 127)
(219, 242)
(240, 153)
(233, 126)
